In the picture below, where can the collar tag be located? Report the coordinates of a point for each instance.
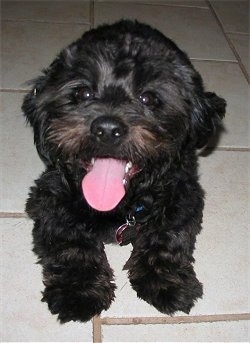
(126, 233)
(119, 231)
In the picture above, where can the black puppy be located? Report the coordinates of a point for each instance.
(117, 119)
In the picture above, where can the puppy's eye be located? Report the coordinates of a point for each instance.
(148, 99)
(84, 94)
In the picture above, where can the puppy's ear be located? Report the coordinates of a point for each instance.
(35, 105)
(36, 116)
(30, 106)
(207, 114)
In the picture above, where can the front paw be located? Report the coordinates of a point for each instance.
(78, 304)
(168, 292)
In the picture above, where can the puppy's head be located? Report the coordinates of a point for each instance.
(120, 98)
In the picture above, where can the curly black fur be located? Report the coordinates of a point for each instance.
(132, 77)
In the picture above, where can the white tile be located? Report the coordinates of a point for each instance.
(222, 259)
(188, 27)
(35, 46)
(205, 332)
(47, 11)
(25, 318)
(221, 249)
(19, 161)
(234, 15)
(126, 303)
(241, 45)
(227, 80)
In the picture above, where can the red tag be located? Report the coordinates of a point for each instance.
(119, 232)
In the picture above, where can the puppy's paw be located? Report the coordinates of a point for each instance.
(77, 304)
(170, 299)
(169, 292)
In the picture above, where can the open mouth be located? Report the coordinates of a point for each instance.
(106, 182)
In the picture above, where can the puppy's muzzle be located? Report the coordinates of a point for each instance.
(108, 129)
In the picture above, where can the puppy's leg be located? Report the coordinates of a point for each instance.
(78, 283)
(161, 271)
(77, 277)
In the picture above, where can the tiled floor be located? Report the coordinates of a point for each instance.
(215, 34)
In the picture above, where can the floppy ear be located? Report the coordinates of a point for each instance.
(30, 105)
(35, 105)
(36, 116)
(207, 114)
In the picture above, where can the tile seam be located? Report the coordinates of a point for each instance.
(97, 329)
(213, 60)
(37, 21)
(156, 4)
(92, 14)
(225, 148)
(167, 5)
(243, 69)
(13, 90)
(231, 46)
(175, 320)
(237, 33)
(13, 215)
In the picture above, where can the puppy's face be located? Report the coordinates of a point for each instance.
(121, 98)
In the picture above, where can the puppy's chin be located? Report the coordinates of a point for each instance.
(106, 182)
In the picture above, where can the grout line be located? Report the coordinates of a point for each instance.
(176, 320)
(162, 4)
(97, 329)
(92, 14)
(12, 90)
(243, 69)
(37, 21)
(213, 60)
(237, 33)
(224, 148)
(158, 3)
(13, 215)
(229, 42)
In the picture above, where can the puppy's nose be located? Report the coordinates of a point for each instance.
(108, 129)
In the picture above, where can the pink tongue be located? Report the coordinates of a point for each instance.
(103, 185)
